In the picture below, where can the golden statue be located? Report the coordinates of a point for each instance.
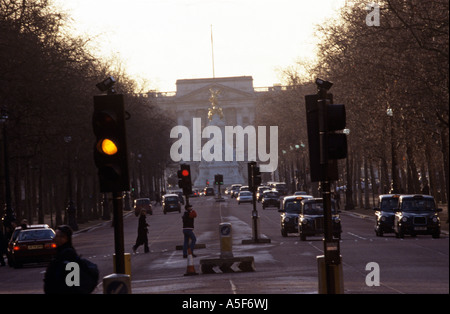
(214, 109)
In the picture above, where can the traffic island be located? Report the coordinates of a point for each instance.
(227, 263)
(196, 247)
(256, 238)
(256, 241)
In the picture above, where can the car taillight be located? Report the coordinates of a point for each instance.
(50, 246)
(19, 247)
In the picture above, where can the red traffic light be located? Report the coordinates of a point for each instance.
(185, 173)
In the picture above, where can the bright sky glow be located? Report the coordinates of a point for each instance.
(165, 40)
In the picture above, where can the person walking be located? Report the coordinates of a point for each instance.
(142, 233)
(188, 230)
(55, 275)
(59, 279)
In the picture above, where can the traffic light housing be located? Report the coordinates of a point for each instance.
(218, 179)
(184, 179)
(110, 149)
(325, 145)
(332, 118)
(254, 175)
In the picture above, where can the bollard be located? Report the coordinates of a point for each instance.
(227, 263)
(127, 257)
(336, 276)
(117, 284)
(226, 240)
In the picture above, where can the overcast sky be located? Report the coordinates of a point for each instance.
(166, 40)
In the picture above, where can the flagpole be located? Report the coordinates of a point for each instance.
(212, 52)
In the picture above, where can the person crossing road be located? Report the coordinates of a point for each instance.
(188, 230)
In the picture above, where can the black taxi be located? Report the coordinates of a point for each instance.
(385, 213)
(311, 219)
(290, 209)
(270, 198)
(171, 203)
(417, 214)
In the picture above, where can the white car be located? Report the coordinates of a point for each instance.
(245, 197)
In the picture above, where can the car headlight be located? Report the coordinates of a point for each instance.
(286, 219)
(383, 218)
(305, 221)
(435, 219)
(404, 219)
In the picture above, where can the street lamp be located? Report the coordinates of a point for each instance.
(9, 216)
(394, 170)
(71, 209)
(349, 205)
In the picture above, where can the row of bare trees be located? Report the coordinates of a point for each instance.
(393, 79)
(47, 84)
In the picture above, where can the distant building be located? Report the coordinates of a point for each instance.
(237, 99)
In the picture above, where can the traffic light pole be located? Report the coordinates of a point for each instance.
(254, 180)
(118, 232)
(255, 215)
(331, 246)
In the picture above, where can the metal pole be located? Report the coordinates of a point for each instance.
(255, 214)
(9, 216)
(330, 247)
(395, 185)
(118, 232)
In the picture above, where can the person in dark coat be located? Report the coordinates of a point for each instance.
(55, 275)
(142, 233)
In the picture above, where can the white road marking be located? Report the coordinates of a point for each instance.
(357, 236)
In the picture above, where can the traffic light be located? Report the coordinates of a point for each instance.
(325, 145)
(218, 179)
(110, 150)
(254, 175)
(180, 179)
(332, 118)
(184, 181)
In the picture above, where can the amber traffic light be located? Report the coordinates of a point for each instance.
(110, 151)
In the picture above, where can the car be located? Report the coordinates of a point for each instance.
(142, 203)
(171, 203)
(234, 190)
(311, 219)
(244, 188)
(32, 245)
(281, 187)
(209, 191)
(417, 214)
(290, 210)
(15, 234)
(259, 192)
(245, 197)
(195, 193)
(270, 198)
(385, 213)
